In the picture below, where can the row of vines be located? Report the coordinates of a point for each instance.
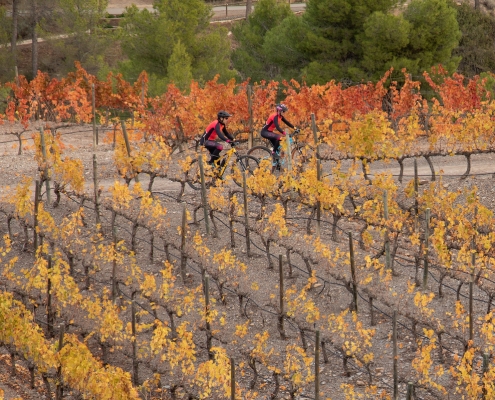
(132, 296)
(366, 121)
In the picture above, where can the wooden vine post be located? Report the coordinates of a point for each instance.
(46, 176)
(318, 202)
(395, 360)
(372, 312)
(249, 93)
(471, 313)
(36, 208)
(49, 311)
(207, 316)
(315, 136)
(96, 190)
(135, 366)
(59, 393)
(142, 93)
(426, 244)
(246, 213)
(353, 273)
(114, 261)
(471, 283)
(232, 379)
(317, 366)
(203, 193)
(410, 391)
(416, 189)
(486, 367)
(128, 146)
(289, 155)
(183, 257)
(93, 113)
(388, 261)
(281, 296)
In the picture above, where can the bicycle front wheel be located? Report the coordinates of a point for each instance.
(260, 153)
(243, 163)
(193, 175)
(302, 154)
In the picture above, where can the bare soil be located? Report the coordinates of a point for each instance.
(331, 299)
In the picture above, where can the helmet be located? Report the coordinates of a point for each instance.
(223, 114)
(281, 107)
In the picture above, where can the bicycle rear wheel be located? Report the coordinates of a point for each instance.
(193, 175)
(243, 163)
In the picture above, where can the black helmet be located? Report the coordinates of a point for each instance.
(223, 114)
(281, 107)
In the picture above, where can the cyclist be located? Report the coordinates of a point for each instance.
(272, 123)
(214, 129)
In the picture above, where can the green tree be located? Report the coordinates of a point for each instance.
(149, 39)
(383, 41)
(434, 35)
(332, 45)
(281, 48)
(250, 57)
(179, 67)
(7, 64)
(477, 43)
(74, 32)
(347, 40)
(425, 35)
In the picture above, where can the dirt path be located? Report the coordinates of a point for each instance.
(79, 145)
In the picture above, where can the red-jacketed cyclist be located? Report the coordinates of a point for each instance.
(272, 123)
(214, 129)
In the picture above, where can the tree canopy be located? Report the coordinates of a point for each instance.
(80, 22)
(149, 39)
(477, 44)
(347, 39)
(252, 58)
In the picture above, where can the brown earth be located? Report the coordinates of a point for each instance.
(79, 145)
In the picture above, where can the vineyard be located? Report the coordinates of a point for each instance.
(362, 270)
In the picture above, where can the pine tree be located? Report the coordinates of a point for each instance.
(148, 38)
(179, 67)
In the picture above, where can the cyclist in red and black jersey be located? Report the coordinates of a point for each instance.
(272, 123)
(214, 129)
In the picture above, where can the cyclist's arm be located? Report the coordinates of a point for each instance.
(227, 133)
(287, 122)
(277, 126)
(220, 133)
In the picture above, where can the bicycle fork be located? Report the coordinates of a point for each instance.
(224, 166)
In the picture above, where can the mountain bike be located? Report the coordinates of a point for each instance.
(216, 172)
(300, 153)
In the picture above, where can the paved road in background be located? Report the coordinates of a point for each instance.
(219, 11)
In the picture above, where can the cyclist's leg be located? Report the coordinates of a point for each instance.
(214, 148)
(274, 139)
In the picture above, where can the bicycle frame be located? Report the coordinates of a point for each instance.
(227, 156)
